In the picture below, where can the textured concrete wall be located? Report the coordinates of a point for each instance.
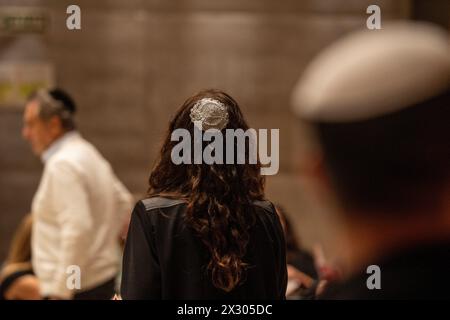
(134, 62)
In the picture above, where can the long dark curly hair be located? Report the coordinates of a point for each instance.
(219, 196)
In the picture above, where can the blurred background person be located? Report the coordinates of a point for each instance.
(309, 273)
(205, 231)
(301, 268)
(17, 279)
(380, 106)
(80, 206)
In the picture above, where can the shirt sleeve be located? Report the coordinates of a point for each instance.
(71, 202)
(124, 205)
(141, 275)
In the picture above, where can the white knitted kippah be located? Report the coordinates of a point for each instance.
(372, 73)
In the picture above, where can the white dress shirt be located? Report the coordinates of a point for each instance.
(78, 211)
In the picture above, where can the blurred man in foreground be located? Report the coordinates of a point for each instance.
(379, 102)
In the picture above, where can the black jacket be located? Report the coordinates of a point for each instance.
(163, 258)
(421, 272)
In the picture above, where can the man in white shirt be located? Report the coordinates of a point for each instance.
(79, 207)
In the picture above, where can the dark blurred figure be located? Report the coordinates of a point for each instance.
(302, 274)
(17, 279)
(380, 105)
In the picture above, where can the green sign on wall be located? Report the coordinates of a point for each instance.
(22, 20)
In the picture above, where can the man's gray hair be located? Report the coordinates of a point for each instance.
(49, 107)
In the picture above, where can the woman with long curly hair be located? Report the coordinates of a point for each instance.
(205, 231)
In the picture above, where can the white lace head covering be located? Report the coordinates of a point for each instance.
(211, 113)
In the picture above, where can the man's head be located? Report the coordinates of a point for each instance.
(48, 115)
(380, 104)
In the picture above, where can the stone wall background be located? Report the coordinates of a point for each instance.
(134, 62)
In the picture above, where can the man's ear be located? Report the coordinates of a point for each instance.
(315, 171)
(55, 126)
(317, 177)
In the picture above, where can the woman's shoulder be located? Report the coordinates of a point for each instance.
(265, 204)
(158, 202)
(154, 206)
(154, 210)
(164, 202)
(266, 210)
